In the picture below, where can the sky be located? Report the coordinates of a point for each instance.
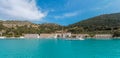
(63, 12)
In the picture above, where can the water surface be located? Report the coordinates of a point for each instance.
(50, 48)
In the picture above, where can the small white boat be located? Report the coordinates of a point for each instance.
(21, 37)
(55, 36)
(81, 38)
(2, 37)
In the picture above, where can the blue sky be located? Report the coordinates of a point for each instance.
(63, 12)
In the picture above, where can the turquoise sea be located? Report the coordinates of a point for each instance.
(51, 48)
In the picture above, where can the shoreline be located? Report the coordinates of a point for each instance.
(16, 38)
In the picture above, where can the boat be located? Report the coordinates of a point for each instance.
(2, 37)
(55, 36)
(80, 38)
(21, 37)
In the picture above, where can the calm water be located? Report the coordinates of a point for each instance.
(48, 48)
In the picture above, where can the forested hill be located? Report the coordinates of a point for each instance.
(99, 23)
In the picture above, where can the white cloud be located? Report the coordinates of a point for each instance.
(66, 15)
(20, 9)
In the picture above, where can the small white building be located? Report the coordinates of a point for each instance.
(103, 36)
(31, 35)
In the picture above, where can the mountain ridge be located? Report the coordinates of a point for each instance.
(106, 19)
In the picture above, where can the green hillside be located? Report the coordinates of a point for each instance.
(106, 22)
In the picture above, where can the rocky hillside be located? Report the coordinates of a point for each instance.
(24, 27)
